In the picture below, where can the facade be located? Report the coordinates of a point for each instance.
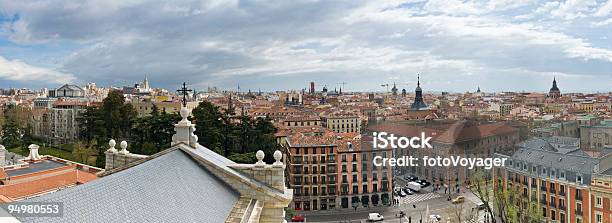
(302, 121)
(64, 120)
(596, 137)
(460, 138)
(342, 122)
(557, 175)
(601, 198)
(144, 108)
(333, 172)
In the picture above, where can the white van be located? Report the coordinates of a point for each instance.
(414, 186)
(375, 217)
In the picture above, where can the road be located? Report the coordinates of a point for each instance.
(438, 206)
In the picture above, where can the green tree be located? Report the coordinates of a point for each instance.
(11, 135)
(233, 136)
(82, 152)
(212, 127)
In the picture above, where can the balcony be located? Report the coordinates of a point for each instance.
(543, 201)
(553, 191)
(553, 204)
(344, 193)
(562, 207)
(543, 188)
(562, 193)
(579, 197)
(578, 212)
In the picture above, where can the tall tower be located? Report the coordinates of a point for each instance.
(554, 92)
(418, 103)
(312, 87)
(394, 89)
(145, 83)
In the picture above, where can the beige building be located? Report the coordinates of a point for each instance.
(145, 108)
(341, 123)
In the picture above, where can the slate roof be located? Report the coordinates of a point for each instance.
(171, 187)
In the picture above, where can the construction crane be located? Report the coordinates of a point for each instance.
(343, 83)
(385, 85)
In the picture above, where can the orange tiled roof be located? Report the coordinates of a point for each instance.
(45, 184)
(31, 184)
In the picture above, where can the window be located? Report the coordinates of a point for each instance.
(598, 202)
(598, 218)
(579, 179)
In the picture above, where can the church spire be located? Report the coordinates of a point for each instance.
(418, 80)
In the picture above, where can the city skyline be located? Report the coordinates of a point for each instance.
(456, 46)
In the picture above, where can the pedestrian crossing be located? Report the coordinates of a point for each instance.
(418, 198)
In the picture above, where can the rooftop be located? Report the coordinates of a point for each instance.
(135, 194)
(34, 167)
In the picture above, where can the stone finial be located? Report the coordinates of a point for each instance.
(124, 146)
(111, 144)
(185, 130)
(278, 156)
(260, 156)
(33, 152)
(184, 113)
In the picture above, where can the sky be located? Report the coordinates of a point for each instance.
(499, 45)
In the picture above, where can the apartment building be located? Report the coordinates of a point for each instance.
(557, 175)
(596, 137)
(460, 138)
(342, 122)
(144, 108)
(331, 171)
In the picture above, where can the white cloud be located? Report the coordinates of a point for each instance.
(17, 70)
(572, 9)
(223, 42)
(605, 9)
(603, 23)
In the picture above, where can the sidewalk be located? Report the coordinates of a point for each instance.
(344, 211)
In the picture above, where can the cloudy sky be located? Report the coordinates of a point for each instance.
(456, 45)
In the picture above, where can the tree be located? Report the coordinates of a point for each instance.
(82, 152)
(233, 136)
(211, 127)
(11, 135)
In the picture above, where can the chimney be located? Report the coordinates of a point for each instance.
(33, 152)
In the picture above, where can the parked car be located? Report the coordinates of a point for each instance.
(414, 186)
(375, 217)
(425, 184)
(298, 218)
(408, 191)
(435, 218)
(402, 193)
(412, 178)
(458, 199)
